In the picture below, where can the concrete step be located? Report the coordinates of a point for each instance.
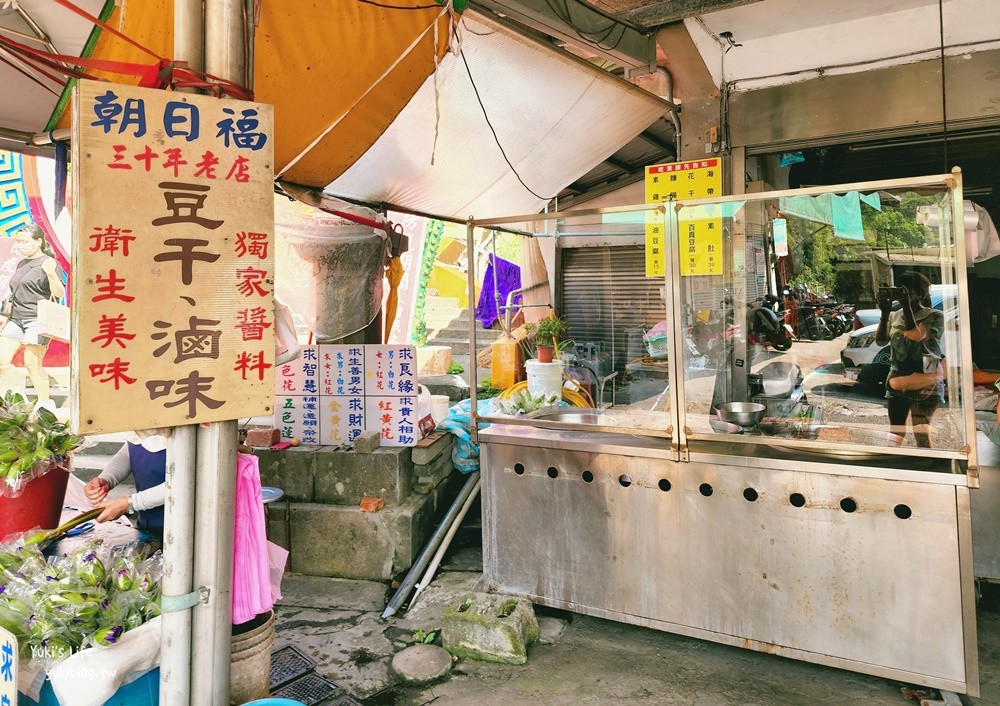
(382, 544)
(458, 347)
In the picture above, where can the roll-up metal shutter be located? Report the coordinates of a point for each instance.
(608, 301)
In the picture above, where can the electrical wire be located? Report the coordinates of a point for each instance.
(567, 18)
(399, 7)
(495, 138)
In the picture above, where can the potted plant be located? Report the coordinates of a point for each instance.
(548, 336)
(34, 465)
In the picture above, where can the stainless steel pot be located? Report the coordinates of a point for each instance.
(746, 414)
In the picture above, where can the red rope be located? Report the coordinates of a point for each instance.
(176, 74)
(28, 75)
(97, 21)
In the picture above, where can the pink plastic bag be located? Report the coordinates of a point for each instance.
(251, 589)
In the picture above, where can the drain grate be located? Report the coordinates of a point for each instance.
(342, 699)
(288, 664)
(310, 689)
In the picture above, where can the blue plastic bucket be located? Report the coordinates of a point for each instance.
(274, 702)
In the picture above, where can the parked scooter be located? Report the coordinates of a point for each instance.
(831, 321)
(766, 327)
(801, 315)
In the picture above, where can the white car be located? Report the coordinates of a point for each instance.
(861, 349)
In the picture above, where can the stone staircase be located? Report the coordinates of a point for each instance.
(448, 325)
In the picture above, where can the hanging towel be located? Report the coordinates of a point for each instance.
(505, 281)
(843, 212)
(846, 212)
(251, 588)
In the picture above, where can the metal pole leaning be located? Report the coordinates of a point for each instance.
(396, 602)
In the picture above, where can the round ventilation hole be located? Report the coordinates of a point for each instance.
(903, 512)
(624, 481)
(797, 499)
(553, 472)
(588, 477)
(519, 469)
(664, 485)
(750, 495)
(705, 489)
(848, 505)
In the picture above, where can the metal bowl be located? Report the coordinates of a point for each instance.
(746, 414)
(725, 427)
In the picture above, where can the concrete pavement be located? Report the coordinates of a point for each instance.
(583, 661)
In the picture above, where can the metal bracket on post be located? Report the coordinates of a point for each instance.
(174, 604)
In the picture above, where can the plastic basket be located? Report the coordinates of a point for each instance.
(288, 664)
(310, 689)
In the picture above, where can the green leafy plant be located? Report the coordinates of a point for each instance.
(487, 390)
(424, 638)
(548, 332)
(523, 402)
(32, 442)
(455, 369)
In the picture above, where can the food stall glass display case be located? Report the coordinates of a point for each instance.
(754, 496)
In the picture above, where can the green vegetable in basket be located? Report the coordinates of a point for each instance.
(105, 637)
(90, 570)
(133, 619)
(151, 610)
(30, 440)
(122, 578)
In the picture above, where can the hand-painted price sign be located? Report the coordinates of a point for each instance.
(173, 310)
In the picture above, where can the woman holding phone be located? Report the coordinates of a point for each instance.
(915, 385)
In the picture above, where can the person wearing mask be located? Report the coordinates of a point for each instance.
(915, 385)
(35, 278)
(145, 458)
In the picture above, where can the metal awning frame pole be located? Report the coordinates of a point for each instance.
(215, 500)
(178, 567)
(179, 539)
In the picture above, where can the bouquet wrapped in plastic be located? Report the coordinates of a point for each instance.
(32, 442)
(59, 605)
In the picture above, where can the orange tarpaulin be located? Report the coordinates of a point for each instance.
(315, 61)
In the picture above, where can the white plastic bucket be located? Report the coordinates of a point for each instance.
(439, 407)
(544, 378)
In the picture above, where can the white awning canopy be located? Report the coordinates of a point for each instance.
(555, 116)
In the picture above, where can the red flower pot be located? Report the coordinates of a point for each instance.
(544, 353)
(39, 504)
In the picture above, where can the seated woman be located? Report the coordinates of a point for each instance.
(145, 458)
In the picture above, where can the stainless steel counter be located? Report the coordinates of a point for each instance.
(855, 566)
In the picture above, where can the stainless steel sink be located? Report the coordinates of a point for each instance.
(572, 416)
